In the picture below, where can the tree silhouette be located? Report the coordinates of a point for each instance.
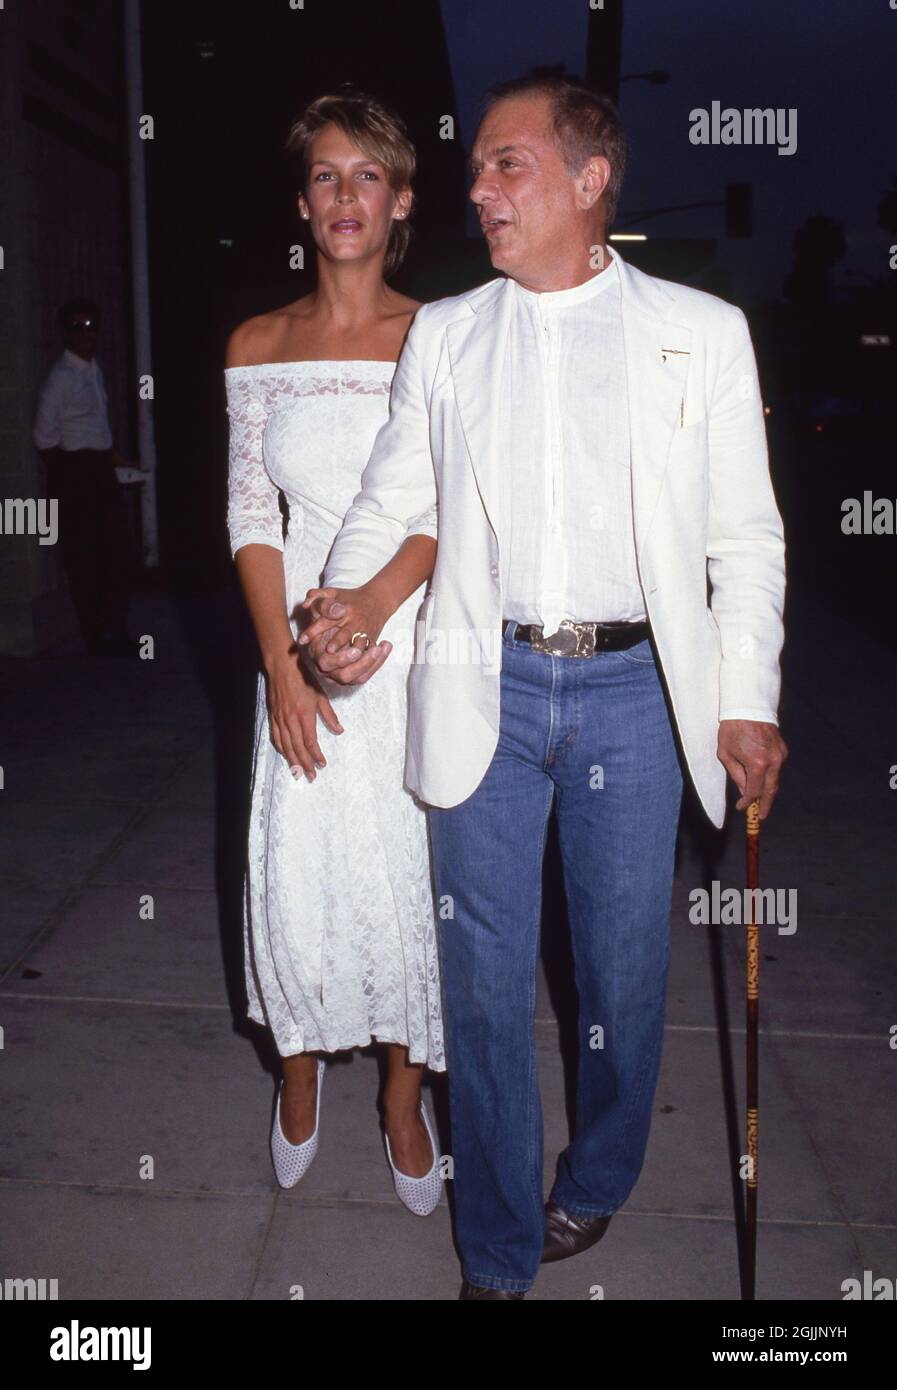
(818, 244)
(887, 210)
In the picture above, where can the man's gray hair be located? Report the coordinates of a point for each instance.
(585, 122)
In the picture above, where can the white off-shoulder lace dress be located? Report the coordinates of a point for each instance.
(339, 929)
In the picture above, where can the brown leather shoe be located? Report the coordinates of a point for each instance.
(567, 1235)
(475, 1291)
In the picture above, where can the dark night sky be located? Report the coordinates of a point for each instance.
(486, 46)
(834, 60)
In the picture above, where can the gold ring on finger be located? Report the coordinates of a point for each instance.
(360, 634)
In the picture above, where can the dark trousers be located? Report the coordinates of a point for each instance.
(96, 539)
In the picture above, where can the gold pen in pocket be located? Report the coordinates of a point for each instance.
(677, 352)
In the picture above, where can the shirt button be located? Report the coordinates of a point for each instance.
(493, 570)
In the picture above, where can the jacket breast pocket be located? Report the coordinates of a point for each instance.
(691, 433)
(688, 448)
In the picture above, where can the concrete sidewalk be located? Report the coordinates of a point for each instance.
(125, 1050)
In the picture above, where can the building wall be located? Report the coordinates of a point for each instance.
(63, 227)
(224, 82)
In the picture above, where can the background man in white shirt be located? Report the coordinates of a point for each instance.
(72, 434)
(587, 443)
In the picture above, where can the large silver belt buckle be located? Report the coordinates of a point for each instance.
(571, 639)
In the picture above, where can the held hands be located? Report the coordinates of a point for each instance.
(752, 754)
(336, 615)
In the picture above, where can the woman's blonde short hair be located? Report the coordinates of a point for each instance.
(379, 133)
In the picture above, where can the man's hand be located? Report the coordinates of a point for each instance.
(336, 614)
(752, 754)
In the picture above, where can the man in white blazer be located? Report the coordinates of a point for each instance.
(588, 445)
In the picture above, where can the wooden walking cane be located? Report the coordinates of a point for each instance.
(752, 960)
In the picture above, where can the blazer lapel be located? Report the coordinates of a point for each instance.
(658, 356)
(476, 348)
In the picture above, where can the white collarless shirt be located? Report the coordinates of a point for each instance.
(568, 544)
(72, 412)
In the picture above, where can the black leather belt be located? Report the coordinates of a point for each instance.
(579, 639)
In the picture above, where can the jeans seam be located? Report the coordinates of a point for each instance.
(633, 1104)
(538, 1201)
(548, 759)
(648, 1061)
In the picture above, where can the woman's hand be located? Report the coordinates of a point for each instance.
(293, 708)
(336, 615)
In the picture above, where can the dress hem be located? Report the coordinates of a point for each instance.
(349, 1047)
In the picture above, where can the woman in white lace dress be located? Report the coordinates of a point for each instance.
(340, 937)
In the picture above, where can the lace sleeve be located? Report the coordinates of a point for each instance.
(253, 515)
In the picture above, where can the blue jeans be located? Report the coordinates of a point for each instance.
(597, 734)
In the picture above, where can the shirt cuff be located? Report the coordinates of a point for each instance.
(421, 528)
(758, 716)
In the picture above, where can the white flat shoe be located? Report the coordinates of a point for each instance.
(292, 1161)
(420, 1195)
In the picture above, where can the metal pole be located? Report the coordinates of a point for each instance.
(146, 439)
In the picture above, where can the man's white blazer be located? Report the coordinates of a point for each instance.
(703, 509)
